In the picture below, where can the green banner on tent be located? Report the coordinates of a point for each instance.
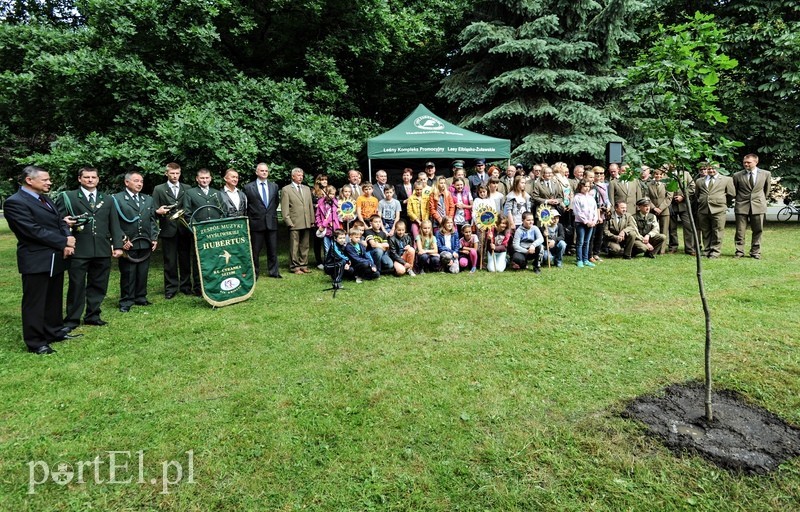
(225, 260)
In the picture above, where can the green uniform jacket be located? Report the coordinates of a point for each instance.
(137, 222)
(101, 232)
(162, 195)
(194, 200)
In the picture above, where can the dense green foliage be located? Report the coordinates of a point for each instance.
(542, 73)
(135, 84)
(126, 84)
(672, 93)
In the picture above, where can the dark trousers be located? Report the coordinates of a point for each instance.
(42, 301)
(268, 238)
(177, 252)
(133, 279)
(88, 284)
(318, 256)
(522, 258)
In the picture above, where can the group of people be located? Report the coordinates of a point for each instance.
(430, 222)
(425, 223)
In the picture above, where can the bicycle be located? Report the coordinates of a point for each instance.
(786, 213)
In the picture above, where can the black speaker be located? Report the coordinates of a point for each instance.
(614, 153)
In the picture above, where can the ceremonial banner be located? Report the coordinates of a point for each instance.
(225, 260)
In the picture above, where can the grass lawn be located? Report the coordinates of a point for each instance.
(440, 392)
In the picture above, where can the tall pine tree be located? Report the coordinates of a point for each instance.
(540, 72)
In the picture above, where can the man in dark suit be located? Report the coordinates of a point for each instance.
(176, 239)
(201, 203)
(481, 177)
(43, 242)
(712, 193)
(137, 218)
(234, 202)
(297, 207)
(752, 189)
(97, 238)
(380, 184)
(262, 210)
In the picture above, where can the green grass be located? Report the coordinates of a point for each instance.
(483, 392)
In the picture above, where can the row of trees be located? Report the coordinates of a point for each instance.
(125, 84)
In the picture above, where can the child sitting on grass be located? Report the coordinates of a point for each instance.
(361, 263)
(468, 253)
(401, 250)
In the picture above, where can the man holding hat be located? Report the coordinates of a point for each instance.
(480, 177)
(650, 238)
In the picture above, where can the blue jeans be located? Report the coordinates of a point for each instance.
(556, 254)
(583, 238)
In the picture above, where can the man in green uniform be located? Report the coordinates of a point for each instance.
(98, 237)
(201, 203)
(137, 218)
(649, 239)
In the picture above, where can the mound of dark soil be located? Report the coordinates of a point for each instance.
(742, 437)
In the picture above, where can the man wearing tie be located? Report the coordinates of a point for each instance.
(626, 191)
(298, 213)
(176, 239)
(354, 182)
(262, 210)
(547, 191)
(660, 199)
(480, 177)
(137, 218)
(620, 232)
(752, 188)
(712, 193)
(43, 243)
(380, 184)
(97, 239)
(201, 203)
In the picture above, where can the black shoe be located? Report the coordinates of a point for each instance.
(145, 303)
(67, 336)
(650, 255)
(537, 270)
(276, 276)
(68, 328)
(124, 309)
(169, 296)
(97, 322)
(43, 350)
(626, 257)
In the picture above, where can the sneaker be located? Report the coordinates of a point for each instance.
(359, 280)
(411, 272)
(558, 264)
(321, 266)
(579, 264)
(537, 270)
(589, 264)
(473, 270)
